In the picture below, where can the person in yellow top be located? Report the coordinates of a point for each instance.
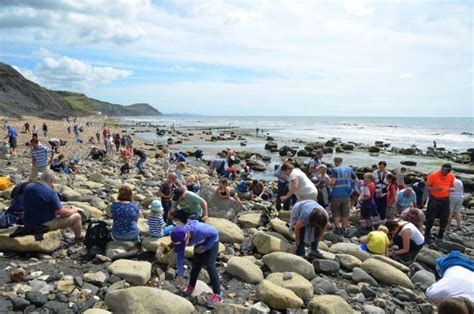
(376, 242)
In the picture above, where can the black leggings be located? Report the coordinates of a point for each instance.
(208, 259)
(437, 208)
(381, 203)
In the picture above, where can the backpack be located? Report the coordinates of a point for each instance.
(5, 183)
(97, 234)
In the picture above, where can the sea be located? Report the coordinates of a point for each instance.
(451, 133)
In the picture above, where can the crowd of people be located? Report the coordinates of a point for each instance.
(319, 196)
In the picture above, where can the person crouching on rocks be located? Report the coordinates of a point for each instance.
(308, 224)
(195, 207)
(376, 242)
(205, 239)
(125, 215)
(156, 223)
(407, 237)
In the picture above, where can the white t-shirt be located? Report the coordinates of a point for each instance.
(415, 234)
(457, 193)
(305, 186)
(364, 191)
(456, 282)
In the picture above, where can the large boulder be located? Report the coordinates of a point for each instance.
(71, 195)
(293, 281)
(121, 249)
(50, 243)
(286, 262)
(386, 273)
(392, 262)
(428, 256)
(245, 269)
(139, 300)
(343, 247)
(280, 226)
(219, 207)
(135, 272)
(249, 220)
(329, 304)
(277, 297)
(152, 244)
(95, 212)
(228, 231)
(424, 278)
(348, 261)
(266, 243)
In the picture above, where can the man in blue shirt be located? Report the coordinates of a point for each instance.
(43, 207)
(12, 135)
(342, 181)
(406, 198)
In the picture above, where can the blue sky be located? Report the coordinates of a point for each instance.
(263, 57)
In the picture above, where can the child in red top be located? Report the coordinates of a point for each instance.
(368, 209)
(391, 196)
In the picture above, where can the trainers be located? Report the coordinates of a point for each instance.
(189, 291)
(215, 298)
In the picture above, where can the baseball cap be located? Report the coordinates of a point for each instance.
(179, 235)
(447, 167)
(155, 206)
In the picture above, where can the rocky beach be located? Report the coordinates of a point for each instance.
(256, 263)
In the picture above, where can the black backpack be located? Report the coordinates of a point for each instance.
(97, 234)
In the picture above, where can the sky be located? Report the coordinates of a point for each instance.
(262, 57)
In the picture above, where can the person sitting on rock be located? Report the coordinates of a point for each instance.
(125, 215)
(457, 278)
(406, 198)
(407, 237)
(244, 190)
(156, 223)
(195, 207)
(205, 239)
(308, 223)
(59, 163)
(97, 154)
(224, 192)
(246, 172)
(230, 173)
(43, 207)
(376, 242)
(193, 184)
(415, 216)
(258, 190)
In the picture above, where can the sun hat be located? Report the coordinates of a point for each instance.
(179, 236)
(155, 206)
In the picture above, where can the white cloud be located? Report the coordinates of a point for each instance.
(346, 51)
(62, 72)
(28, 74)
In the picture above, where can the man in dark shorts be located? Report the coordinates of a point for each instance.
(12, 135)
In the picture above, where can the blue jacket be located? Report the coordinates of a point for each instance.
(453, 259)
(203, 238)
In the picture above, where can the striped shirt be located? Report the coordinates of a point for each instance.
(156, 225)
(40, 155)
